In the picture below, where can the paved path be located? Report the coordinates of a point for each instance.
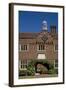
(38, 76)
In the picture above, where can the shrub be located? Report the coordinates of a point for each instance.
(31, 69)
(51, 71)
(56, 71)
(51, 66)
(48, 67)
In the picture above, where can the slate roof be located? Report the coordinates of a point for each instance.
(28, 35)
(35, 35)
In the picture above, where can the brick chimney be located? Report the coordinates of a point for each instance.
(53, 29)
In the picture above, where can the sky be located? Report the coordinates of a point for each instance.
(30, 21)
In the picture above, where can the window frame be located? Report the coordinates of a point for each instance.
(22, 65)
(23, 47)
(43, 46)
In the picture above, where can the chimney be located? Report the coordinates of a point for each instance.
(53, 29)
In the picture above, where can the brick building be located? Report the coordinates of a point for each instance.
(38, 46)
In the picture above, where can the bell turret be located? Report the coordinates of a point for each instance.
(44, 26)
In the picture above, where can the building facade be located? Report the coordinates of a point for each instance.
(38, 46)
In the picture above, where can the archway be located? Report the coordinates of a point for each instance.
(43, 67)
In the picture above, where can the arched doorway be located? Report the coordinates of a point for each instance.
(41, 67)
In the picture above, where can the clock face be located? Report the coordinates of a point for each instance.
(44, 38)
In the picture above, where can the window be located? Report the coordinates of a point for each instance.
(41, 47)
(23, 47)
(55, 47)
(56, 64)
(23, 64)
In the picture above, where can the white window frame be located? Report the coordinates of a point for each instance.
(24, 50)
(38, 48)
(23, 65)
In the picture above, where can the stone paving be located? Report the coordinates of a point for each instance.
(38, 76)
